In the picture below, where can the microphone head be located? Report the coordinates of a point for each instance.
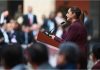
(62, 23)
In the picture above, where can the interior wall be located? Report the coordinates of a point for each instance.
(40, 7)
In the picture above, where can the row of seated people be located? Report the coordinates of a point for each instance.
(8, 34)
(13, 57)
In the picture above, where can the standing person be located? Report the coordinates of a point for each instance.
(29, 18)
(4, 18)
(19, 12)
(75, 32)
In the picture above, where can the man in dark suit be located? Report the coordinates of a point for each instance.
(96, 56)
(26, 36)
(75, 32)
(29, 18)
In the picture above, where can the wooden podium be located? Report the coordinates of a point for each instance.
(46, 39)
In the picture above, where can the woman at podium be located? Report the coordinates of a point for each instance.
(75, 32)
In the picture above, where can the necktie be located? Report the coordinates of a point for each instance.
(26, 38)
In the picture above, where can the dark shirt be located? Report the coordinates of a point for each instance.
(76, 33)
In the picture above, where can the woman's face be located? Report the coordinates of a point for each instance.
(70, 15)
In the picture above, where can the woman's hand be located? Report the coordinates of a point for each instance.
(52, 36)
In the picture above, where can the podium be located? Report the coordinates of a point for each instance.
(46, 39)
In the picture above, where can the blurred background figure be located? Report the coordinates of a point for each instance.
(38, 56)
(35, 28)
(13, 34)
(68, 56)
(19, 12)
(96, 57)
(59, 19)
(26, 36)
(29, 18)
(50, 24)
(44, 26)
(3, 30)
(4, 18)
(88, 22)
(12, 57)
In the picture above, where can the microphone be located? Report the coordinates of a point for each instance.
(48, 33)
(51, 31)
(63, 23)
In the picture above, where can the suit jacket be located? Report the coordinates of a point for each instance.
(30, 38)
(96, 66)
(15, 34)
(26, 20)
(1, 36)
(76, 32)
(2, 44)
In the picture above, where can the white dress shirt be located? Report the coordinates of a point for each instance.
(30, 16)
(2, 19)
(6, 39)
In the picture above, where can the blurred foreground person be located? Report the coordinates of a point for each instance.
(68, 56)
(37, 55)
(96, 57)
(12, 57)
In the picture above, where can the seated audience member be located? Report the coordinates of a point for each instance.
(26, 36)
(96, 57)
(35, 29)
(3, 31)
(38, 56)
(14, 36)
(12, 57)
(68, 56)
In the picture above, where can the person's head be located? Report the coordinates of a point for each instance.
(68, 53)
(26, 28)
(13, 23)
(29, 9)
(51, 15)
(12, 55)
(4, 26)
(37, 54)
(35, 27)
(6, 13)
(96, 52)
(9, 27)
(59, 14)
(20, 8)
(73, 13)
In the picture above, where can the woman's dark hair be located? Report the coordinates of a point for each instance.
(76, 10)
